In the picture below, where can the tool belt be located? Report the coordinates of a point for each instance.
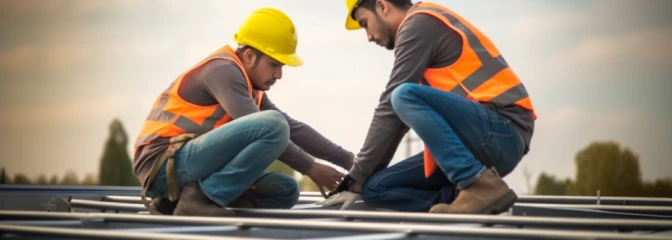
(169, 155)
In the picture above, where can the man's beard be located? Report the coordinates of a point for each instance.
(387, 30)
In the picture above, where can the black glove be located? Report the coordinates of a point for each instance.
(343, 186)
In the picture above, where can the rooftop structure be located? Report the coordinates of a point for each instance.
(66, 212)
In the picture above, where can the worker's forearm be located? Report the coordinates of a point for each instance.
(315, 144)
(382, 140)
(295, 158)
(311, 141)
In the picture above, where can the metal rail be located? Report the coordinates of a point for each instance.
(101, 234)
(362, 227)
(80, 203)
(658, 210)
(310, 197)
(379, 236)
(629, 201)
(136, 199)
(553, 222)
(65, 190)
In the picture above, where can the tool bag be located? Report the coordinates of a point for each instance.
(169, 155)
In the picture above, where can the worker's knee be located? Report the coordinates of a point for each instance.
(275, 125)
(370, 193)
(401, 95)
(280, 190)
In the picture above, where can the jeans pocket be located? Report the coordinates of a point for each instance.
(502, 150)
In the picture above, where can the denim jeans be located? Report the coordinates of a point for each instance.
(231, 158)
(458, 132)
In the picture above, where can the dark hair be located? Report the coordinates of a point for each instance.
(371, 5)
(242, 49)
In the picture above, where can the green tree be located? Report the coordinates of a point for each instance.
(5, 178)
(20, 178)
(607, 167)
(89, 180)
(115, 164)
(70, 178)
(659, 188)
(278, 166)
(549, 185)
(42, 180)
(53, 180)
(307, 185)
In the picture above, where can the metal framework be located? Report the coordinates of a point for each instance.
(40, 212)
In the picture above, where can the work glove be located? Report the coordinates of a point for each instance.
(341, 195)
(345, 197)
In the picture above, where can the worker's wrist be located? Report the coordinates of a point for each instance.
(355, 187)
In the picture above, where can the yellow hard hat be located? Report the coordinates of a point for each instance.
(272, 32)
(350, 23)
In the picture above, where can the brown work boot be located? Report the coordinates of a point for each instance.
(246, 200)
(487, 195)
(162, 206)
(193, 202)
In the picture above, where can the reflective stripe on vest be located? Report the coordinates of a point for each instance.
(480, 73)
(171, 115)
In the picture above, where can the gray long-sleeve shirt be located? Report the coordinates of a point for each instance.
(423, 42)
(222, 82)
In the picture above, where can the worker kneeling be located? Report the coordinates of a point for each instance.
(452, 86)
(211, 135)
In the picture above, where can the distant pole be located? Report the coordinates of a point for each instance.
(410, 138)
(528, 176)
(408, 145)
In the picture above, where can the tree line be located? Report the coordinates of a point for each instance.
(609, 168)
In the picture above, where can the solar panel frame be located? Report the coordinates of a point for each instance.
(47, 212)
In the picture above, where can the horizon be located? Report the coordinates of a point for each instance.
(70, 67)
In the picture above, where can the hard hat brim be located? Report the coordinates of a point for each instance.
(291, 60)
(351, 24)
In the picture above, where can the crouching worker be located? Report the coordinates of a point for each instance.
(453, 87)
(212, 133)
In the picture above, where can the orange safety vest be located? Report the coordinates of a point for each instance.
(480, 74)
(171, 115)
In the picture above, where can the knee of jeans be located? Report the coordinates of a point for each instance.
(292, 191)
(289, 189)
(400, 95)
(369, 193)
(287, 185)
(276, 123)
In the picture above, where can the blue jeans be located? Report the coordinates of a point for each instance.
(458, 132)
(231, 158)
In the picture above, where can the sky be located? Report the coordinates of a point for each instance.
(596, 70)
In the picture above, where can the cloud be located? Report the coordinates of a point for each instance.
(16, 59)
(69, 113)
(70, 56)
(72, 8)
(561, 118)
(644, 48)
(570, 116)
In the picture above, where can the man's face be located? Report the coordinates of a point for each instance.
(377, 29)
(265, 73)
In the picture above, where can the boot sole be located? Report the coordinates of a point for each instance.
(502, 204)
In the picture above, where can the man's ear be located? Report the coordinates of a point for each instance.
(382, 6)
(249, 57)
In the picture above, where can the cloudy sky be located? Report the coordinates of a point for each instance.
(596, 70)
